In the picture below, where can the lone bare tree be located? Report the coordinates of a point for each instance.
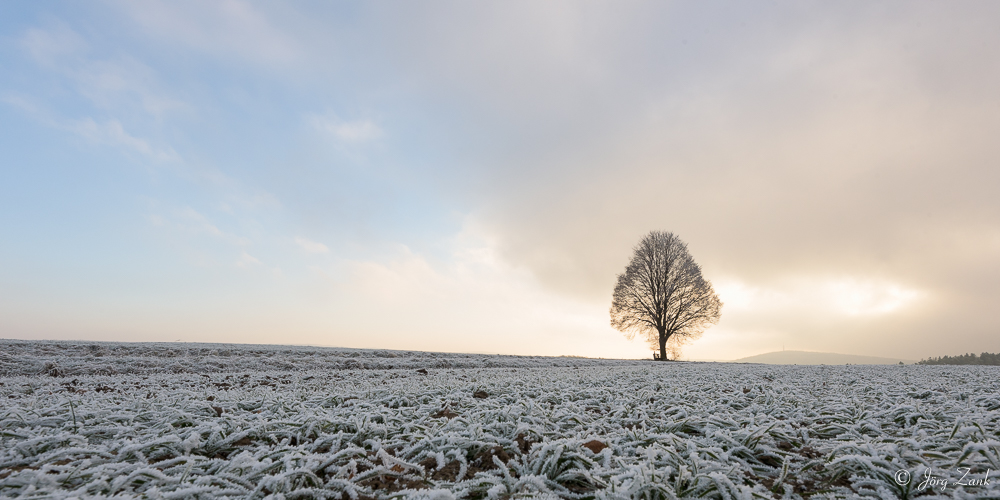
(662, 294)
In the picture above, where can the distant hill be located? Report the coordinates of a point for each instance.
(818, 358)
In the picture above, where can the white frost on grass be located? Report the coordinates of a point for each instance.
(280, 422)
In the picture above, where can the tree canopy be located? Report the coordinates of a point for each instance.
(662, 294)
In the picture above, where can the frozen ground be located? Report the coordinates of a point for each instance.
(21, 357)
(225, 421)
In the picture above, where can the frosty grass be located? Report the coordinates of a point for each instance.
(88, 420)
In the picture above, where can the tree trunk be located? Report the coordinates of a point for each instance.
(663, 344)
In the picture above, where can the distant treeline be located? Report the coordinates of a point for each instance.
(966, 359)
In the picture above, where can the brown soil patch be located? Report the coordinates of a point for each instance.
(10, 470)
(392, 484)
(448, 473)
(524, 442)
(595, 446)
(484, 460)
(445, 413)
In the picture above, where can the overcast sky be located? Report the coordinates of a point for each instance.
(471, 177)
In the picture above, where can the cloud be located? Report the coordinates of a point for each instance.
(869, 298)
(810, 144)
(247, 260)
(831, 166)
(311, 246)
(119, 87)
(53, 46)
(229, 28)
(346, 132)
(829, 297)
(132, 109)
(109, 83)
(120, 84)
(187, 222)
(108, 132)
(112, 133)
(471, 302)
(206, 241)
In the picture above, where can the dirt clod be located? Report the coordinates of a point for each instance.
(524, 442)
(484, 460)
(445, 413)
(392, 484)
(449, 472)
(429, 463)
(595, 446)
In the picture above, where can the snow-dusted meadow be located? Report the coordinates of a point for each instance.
(90, 420)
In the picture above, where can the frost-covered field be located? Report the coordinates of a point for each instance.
(19, 357)
(223, 421)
